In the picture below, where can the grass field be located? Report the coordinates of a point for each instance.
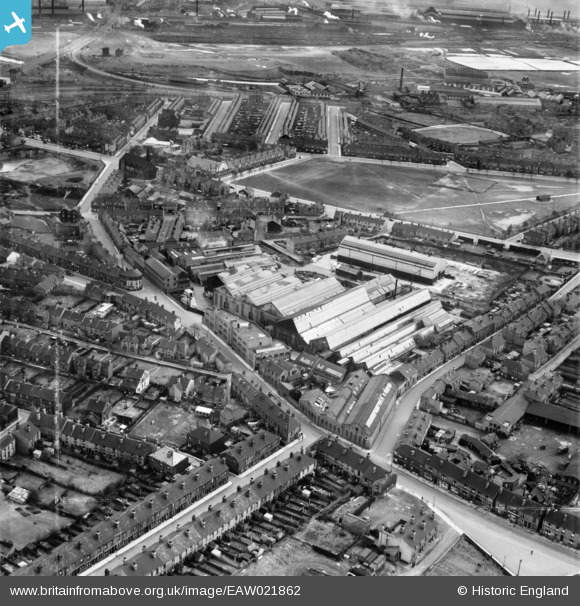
(449, 200)
(78, 474)
(460, 133)
(23, 529)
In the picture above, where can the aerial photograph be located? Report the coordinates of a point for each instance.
(290, 289)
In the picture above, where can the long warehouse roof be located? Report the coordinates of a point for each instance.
(390, 252)
(307, 295)
(372, 318)
(307, 322)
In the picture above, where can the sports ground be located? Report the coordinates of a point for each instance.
(483, 205)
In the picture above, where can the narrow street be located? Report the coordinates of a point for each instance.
(217, 121)
(278, 122)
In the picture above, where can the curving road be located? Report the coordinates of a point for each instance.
(503, 540)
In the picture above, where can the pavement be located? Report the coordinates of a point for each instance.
(503, 540)
(154, 536)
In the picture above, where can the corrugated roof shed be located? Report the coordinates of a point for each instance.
(309, 294)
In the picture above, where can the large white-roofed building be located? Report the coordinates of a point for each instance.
(399, 262)
(350, 317)
(265, 294)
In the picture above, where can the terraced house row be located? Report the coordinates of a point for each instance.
(108, 536)
(215, 521)
(531, 309)
(131, 279)
(561, 526)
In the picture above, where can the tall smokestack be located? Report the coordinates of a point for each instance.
(551, 15)
(401, 80)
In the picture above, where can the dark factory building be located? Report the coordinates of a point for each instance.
(475, 17)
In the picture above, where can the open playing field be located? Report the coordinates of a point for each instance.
(460, 133)
(483, 205)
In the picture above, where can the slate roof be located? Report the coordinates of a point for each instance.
(351, 457)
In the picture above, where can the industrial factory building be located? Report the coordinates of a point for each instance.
(264, 294)
(381, 258)
(474, 17)
(338, 320)
(357, 411)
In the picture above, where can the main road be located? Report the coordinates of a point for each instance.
(311, 434)
(110, 165)
(506, 542)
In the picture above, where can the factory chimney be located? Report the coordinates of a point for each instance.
(401, 80)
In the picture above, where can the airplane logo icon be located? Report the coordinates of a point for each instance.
(17, 23)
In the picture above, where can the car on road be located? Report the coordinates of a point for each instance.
(543, 197)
